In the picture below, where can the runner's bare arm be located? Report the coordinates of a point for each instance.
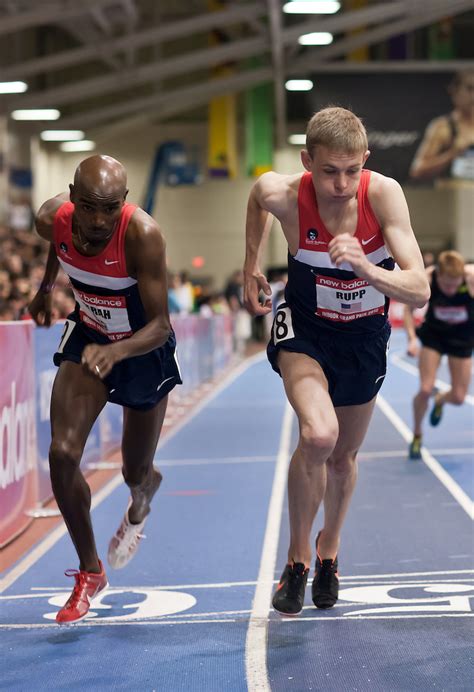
(438, 149)
(409, 323)
(265, 201)
(469, 277)
(41, 305)
(410, 285)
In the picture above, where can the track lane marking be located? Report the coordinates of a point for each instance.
(400, 362)
(435, 467)
(46, 544)
(256, 640)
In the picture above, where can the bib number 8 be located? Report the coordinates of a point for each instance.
(282, 325)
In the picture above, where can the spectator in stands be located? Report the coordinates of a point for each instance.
(447, 147)
(234, 294)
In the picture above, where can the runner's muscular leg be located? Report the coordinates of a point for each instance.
(77, 399)
(428, 366)
(461, 372)
(342, 473)
(141, 432)
(307, 391)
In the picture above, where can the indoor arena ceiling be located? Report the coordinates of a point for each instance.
(117, 61)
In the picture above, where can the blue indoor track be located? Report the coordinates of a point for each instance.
(192, 610)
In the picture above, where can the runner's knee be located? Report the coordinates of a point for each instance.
(64, 459)
(318, 441)
(342, 463)
(425, 393)
(457, 396)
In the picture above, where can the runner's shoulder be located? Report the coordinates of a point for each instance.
(276, 191)
(44, 218)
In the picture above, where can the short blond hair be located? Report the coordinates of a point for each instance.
(336, 128)
(451, 263)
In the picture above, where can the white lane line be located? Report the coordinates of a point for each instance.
(37, 553)
(402, 453)
(435, 467)
(454, 452)
(282, 620)
(202, 461)
(353, 618)
(365, 456)
(34, 555)
(190, 462)
(256, 640)
(232, 584)
(216, 462)
(397, 360)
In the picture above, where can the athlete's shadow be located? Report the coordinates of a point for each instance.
(71, 635)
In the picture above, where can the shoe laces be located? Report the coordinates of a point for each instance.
(79, 586)
(128, 537)
(326, 572)
(295, 579)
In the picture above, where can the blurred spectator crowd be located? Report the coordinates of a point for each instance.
(22, 262)
(23, 259)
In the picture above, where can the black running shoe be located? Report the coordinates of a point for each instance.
(436, 413)
(325, 587)
(288, 599)
(414, 450)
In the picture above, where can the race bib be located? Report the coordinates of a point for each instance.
(282, 325)
(452, 314)
(344, 300)
(106, 314)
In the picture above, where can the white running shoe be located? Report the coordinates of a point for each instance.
(124, 544)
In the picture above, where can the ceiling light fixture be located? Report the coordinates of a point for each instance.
(61, 135)
(297, 139)
(312, 7)
(13, 87)
(82, 145)
(36, 114)
(299, 85)
(317, 38)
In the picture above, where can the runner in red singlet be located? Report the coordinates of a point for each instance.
(117, 345)
(330, 335)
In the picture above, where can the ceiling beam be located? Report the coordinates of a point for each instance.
(401, 66)
(161, 69)
(165, 32)
(49, 13)
(275, 16)
(85, 32)
(237, 50)
(180, 99)
(380, 33)
(345, 21)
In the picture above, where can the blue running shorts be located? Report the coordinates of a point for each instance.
(140, 382)
(354, 364)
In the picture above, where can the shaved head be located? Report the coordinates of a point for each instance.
(102, 176)
(98, 194)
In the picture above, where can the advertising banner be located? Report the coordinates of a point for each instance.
(411, 119)
(46, 342)
(18, 474)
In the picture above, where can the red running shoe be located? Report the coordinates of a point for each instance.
(88, 585)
